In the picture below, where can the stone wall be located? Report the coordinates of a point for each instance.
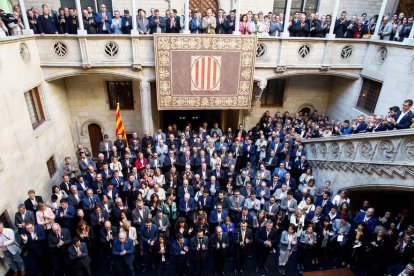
(89, 103)
(300, 91)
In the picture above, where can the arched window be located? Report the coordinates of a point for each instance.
(307, 6)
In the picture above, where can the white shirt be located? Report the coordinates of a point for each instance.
(401, 116)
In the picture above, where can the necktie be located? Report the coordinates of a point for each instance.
(242, 236)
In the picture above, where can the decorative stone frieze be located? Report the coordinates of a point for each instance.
(390, 152)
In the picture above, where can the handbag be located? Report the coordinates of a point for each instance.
(367, 35)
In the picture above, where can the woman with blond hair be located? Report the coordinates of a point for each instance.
(45, 217)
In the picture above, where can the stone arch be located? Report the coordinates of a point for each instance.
(306, 105)
(84, 127)
(77, 72)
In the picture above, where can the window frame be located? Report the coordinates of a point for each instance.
(36, 102)
(128, 105)
(51, 166)
(282, 96)
(293, 10)
(362, 103)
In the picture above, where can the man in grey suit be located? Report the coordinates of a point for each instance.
(385, 29)
(236, 203)
(23, 217)
(140, 215)
(143, 23)
(163, 223)
(159, 135)
(105, 147)
(288, 204)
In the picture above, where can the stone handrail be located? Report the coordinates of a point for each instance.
(390, 152)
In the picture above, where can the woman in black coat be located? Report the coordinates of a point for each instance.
(160, 254)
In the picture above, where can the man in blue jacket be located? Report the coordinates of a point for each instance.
(47, 22)
(123, 250)
(103, 21)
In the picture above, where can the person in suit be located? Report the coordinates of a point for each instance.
(180, 249)
(403, 118)
(196, 24)
(173, 22)
(271, 207)
(205, 201)
(34, 240)
(199, 249)
(341, 25)
(157, 24)
(271, 162)
(163, 224)
(75, 197)
(79, 257)
(290, 182)
(368, 218)
(287, 245)
(66, 215)
(160, 254)
(106, 173)
(288, 204)
(105, 147)
(33, 201)
(236, 203)
(107, 235)
(140, 215)
(65, 184)
(209, 23)
(143, 25)
(123, 250)
(219, 243)
(10, 251)
(325, 202)
(386, 29)
(58, 241)
(85, 162)
(148, 235)
(23, 217)
(242, 240)
(186, 207)
(242, 179)
(103, 20)
(184, 189)
(89, 202)
(217, 216)
(266, 237)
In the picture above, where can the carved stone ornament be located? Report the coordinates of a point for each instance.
(347, 52)
(313, 151)
(325, 68)
(261, 50)
(86, 66)
(137, 67)
(280, 69)
(386, 150)
(24, 52)
(60, 49)
(379, 169)
(335, 150)
(111, 49)
(381, 55)
(304, 51)
(367, 150)
(349, 151)
(323, 150)
(408, 150)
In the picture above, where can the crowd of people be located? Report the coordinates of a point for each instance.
(174, 199)
(65, 21)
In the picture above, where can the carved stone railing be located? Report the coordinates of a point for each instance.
(388, 153)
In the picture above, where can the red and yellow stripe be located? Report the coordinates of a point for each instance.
(119, 126)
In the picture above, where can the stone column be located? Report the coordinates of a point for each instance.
(237, 20)
(287, 16)
(331, 34)
(375, 36)
(186, 17)
(27, 30)
(410, 40)
(134, 30)
(81, 30)
(146, 106)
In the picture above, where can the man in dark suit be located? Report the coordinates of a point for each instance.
(23, 217)
(148, 235)
(242, 239)
(105, 147)
(199, 248)
(157, 24)
(120, 145)
(79, 257)
(89, 202)
(34, 241)
(58, 241)
(325, 202)
(244, 215)
(173, 22)
(65, 185)
(341, 25)
(75, 197)
(140, 215)
(98, 218)
(315, 218)
(33, 201)
(185, 188)
(163, 224)
(186, 207)
(103, 19)
(290, 182)
(403, 119)
(66, 215)
(368, 218)
(123, 251)
(265, 238)
(271, 161)
(180, 251)
(205, 201)
(219, 243)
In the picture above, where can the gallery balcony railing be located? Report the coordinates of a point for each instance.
(388, 152)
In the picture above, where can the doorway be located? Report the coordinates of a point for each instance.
(95, 137)
(204, 5)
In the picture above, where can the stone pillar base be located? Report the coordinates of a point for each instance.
(82, 32)
(134, 32)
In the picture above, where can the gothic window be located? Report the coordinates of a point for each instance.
(369, 94)
(307, 6)
(35, 106)
(120, 92)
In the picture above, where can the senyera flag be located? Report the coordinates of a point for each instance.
(119, 125)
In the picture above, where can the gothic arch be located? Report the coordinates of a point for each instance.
(84, 127)
(306, 105)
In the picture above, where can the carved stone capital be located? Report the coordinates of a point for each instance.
(325, 68)
(86, 66)
(280, 69)
(137, 67)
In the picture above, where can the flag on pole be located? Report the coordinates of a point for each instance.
(120, 130)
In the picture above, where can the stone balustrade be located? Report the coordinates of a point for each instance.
(351, 159)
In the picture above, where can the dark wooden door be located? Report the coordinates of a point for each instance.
(95, 136)
(406, 6)
(204, 5)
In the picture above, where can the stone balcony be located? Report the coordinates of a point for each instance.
(369, 159)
